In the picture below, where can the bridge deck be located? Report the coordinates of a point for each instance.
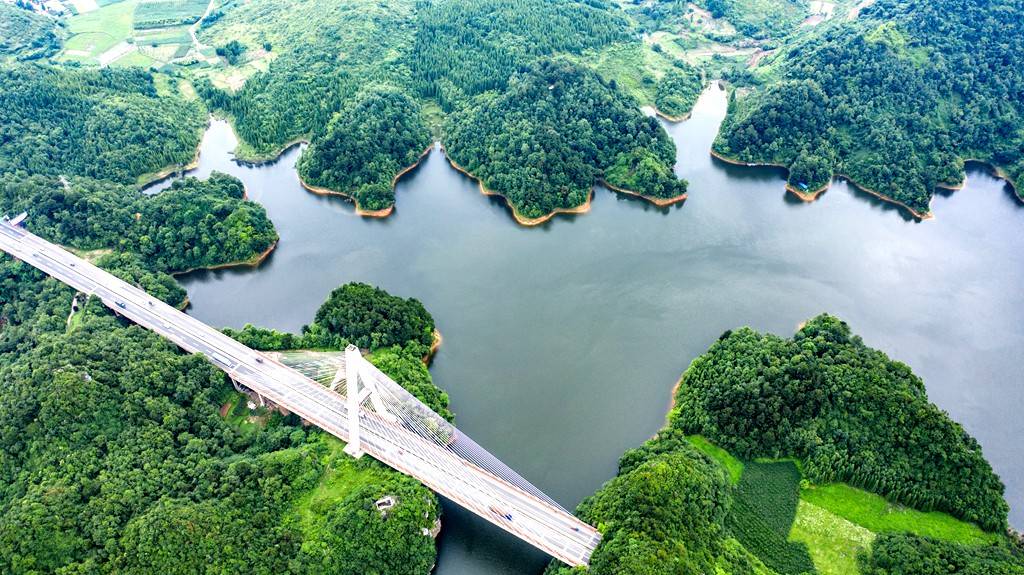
(534, 520)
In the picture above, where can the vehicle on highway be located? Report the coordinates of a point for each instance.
(500, 513)
(120, 304)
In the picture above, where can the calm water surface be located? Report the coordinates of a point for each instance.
(562, 342)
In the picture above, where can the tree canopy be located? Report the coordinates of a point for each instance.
(557, 129)
(851, 413)
(897, 554)
(25, 35)
(678, 89)
(365, 145)
(109, 124)
(896, 99)
(371, 318)
(486, 66)
(121, 454)
(193, 223)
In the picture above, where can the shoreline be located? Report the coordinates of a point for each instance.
(521, 220)
(382, 213)
(146, 180)
(255, 160)
(660, 202)
(920, 216)
(672, 398)
(670, 118)
(813, 195)
(999, 173)
(435, 344)
(258, 160)
(254, 261)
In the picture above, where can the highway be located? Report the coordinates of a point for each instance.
(532, 519)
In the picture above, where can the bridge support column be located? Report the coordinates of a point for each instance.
(353, 360)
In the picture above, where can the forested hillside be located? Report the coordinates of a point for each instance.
(108, 124)
(25, 35)
(664, 514)
(557, 129)
(677, 91)
(315, 70)
(708, 493)
(365, 145)
(816, 397)
(192, 224)
(485, 65)
(121, 454)
(897, 100)
(467, 47)
(116, 460)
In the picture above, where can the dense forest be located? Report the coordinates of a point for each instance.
(317, 69)
(107, 124)
(897, 100)
(116, 460)
(488, 67)
(664, 514)
(365, 145)
(25, 35)
(397, 333)
(120, 454)
(371, 318)
(466, 47)
(761, 19)
(678, 90)
(557, 129)
(356, 313)
(895, 554)
(192, 224)
(817, 396)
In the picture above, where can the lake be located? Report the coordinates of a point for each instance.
(562, 342)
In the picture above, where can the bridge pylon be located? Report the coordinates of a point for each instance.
(352, 362)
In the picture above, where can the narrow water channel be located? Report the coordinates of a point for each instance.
(562, 342)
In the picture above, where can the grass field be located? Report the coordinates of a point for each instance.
(93, 33)
(794, 527)
(634, 67)
(732, 465)
(342, 476)
(135, 60)
(163, 36)
(878, 515)
(163, 13)
(833, 542)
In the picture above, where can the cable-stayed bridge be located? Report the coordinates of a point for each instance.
(390, 424)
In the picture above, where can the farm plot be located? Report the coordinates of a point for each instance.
(96, 32)
(762, 514)
(165, 13)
